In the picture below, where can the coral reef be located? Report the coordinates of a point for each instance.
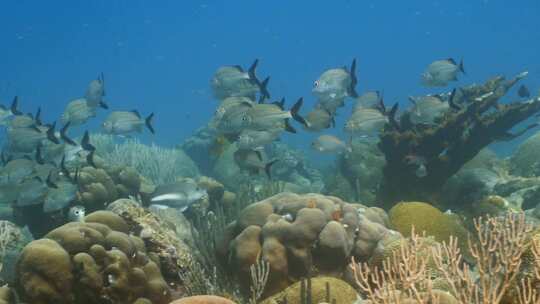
(300, 235)
(524, 161)
(90, 262)
(447, 146)
(12, 240)
(203, 300)
(159, 236)
(159, 165)
(316, 290)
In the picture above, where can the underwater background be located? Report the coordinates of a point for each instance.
(277, 152)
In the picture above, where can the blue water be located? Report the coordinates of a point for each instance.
(158, 56)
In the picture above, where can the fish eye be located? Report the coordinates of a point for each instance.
(316, 83)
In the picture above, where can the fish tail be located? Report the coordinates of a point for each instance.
(37, 119)
(15, 106)
(85, 142)
(103, 105)
(64, 136)
(452, 102)
(50, 134)
(251, 71)
(295, 112)
(354, 81)
(461, 68)
(50, 182)
(90, 159)
(39, 157)
(263, 87)
(288, 126)
(148, 122)
(268, 168)
(392, 117)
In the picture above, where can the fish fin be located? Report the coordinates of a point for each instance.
(50, 134)
(35, 128)
(136, 113)
(239, 68)
(90, 159)
(103, 105)
(27, 157)
(85, 142)
(268, 168)
(183, 209)
(251, 71)
(412, 100)
(148, 122)
(38, 179)
(63, 168)
(50, 182)
(263, 87)
(381, 107)
(354, 81)
(64, 136)
(15, 106)
(37, 119)
(259, 154)
(451, 101)
(452, 61)
(333, 122)
(392, 116)
(461, 68)
(280, 104)
(294, 112)
(39, 157)
(288, 126)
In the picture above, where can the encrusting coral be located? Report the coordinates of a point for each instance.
(90, 262)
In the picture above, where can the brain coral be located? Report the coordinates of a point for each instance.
(300, 235)
(90, 263)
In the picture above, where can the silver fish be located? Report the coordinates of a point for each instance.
(231, 118)
(233, 81)
(366, 122)
(336, 83)
(427, 109)
(441, 72)
(319, 119)
(31, 192)
(95, 93)
(25, 139)
(78, 112)
(60, 197)
(16, 170)
(371, 99)
(180, 194)
(125, 122)
(76, 214)
(330, 144)
(272, 116)
(251, 139)
(252, 161)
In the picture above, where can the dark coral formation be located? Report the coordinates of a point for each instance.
(455, 140)
(90, 262)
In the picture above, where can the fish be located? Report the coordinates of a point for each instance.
(95, 93)
(232, 103)
(319, 119)
(427, 109)
(7, 113)
(254, 139)
(441, 72)
(22, 121)
(233, 81)
(16, 170)
(330, 144)
(370, 99)
(126, 122)
(336, 83)
(179, 195)
(60, 197)
(330, 104)
(76, 214)
(272, 115)
(31, 192)
(366, 122)
(251, 161)
(78, 112)
(523, 92)
(25, 139)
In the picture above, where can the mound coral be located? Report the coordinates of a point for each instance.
(203, 300)
(90, 263)
(300, 235)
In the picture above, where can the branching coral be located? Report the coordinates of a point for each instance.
(446, 147)
(408, 274)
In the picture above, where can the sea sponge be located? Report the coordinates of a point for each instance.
(82, 262)
(426, 218)
(340, 292)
